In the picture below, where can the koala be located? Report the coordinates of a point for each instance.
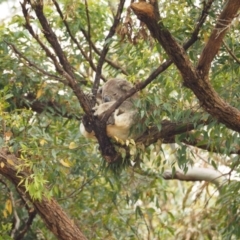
(115, 88)
(123, 118)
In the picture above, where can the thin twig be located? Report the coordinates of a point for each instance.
(34, 65)
(106, 47)
(63, 67)
(16, 224)
(80, 189)
(16, 217)
(89, 59)
(36, 37)
(107, 60)
(31, 215)
(89, 28)
(231, 53)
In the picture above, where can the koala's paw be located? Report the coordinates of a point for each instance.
(97, 111)
(99, 114)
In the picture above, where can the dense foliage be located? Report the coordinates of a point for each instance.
(40, 116)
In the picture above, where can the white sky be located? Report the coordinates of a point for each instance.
(9, 8)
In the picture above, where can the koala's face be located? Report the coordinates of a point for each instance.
(113, 89)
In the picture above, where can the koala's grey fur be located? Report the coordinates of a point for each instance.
(123, 118)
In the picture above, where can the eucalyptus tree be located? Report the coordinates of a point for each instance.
(182, 58)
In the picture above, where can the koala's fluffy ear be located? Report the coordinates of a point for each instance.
(125, 86)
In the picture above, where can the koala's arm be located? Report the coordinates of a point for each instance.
(101, 109)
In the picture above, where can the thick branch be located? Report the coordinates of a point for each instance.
(196, 81)
(213, 147)
(146, 13)
(169, 130)
(65, 69)
(51, 213)
(223, 23)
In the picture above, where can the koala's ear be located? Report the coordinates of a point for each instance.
(125, 86)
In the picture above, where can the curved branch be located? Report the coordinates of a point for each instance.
(64, 68)
(215, 41)
(51, 213)
(193, 79)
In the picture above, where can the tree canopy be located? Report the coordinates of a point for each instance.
(183, 59)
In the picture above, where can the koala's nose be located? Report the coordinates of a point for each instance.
(106, 99)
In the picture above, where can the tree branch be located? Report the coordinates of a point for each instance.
(198, 143)
(196, 174)
(30, 101)
(65, 69)
(200, 23)
(150, 16)
(60, 225)
(35, 66)
(212, 47)
(106, 47)
(163, 66)
(107, 60)
(16, 217)
(231, 53)
(193, 79)
(88, 58)
(31, 215)
(168, 131)
(89, 28)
